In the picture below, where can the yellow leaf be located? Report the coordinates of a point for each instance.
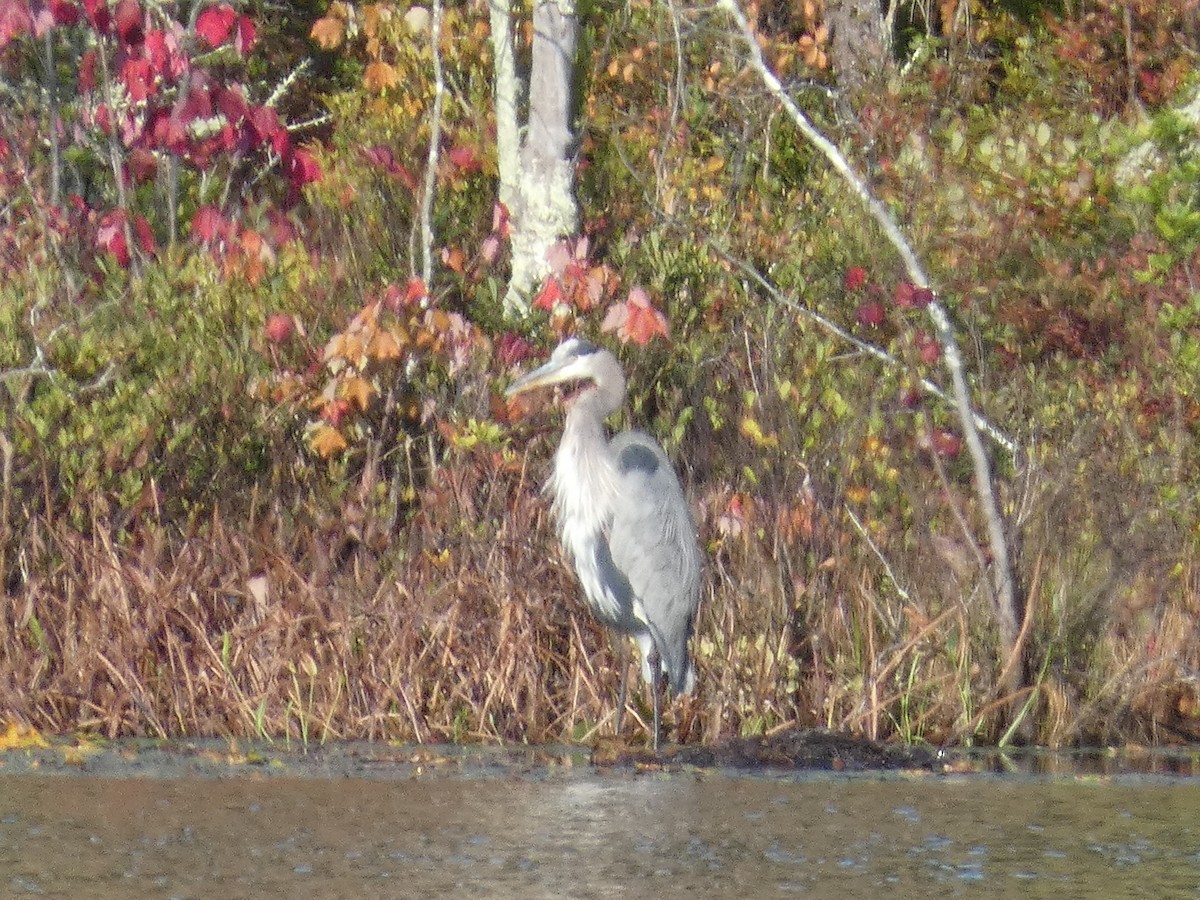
(380, 76)
(328, 32)
(751, 430)
(22, 737)
(441, 560)
(857, 494)
(327, 441)
(358, 391)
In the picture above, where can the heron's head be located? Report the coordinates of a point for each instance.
(573, 360)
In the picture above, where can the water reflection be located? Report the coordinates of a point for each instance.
(583, 834)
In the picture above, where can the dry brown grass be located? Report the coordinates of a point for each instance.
(465, 625)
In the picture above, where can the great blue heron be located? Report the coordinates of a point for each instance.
(623, 520)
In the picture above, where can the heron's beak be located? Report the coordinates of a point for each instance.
(553, 372)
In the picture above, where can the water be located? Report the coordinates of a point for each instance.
(580, 833)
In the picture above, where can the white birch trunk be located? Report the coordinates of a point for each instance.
(508, 101)
(536, 180)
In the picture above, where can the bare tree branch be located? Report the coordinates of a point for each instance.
(435, 139)
(1003, 583)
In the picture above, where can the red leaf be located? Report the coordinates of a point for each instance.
(246, 35)
(208, 225)
(14, 20)
(870, 314)
(87, 70)
(144, 234)
(909, 296)
(335, 411)
(163, 51)
(303, 168)
(379, 156)
(513, 349)
(103, 119)
(215, 23)
(855, 276)
(279, 328)
(198, 104)
(138, 78)
(415, 290)
(128, 20)
(142, 165)
(282, 230)
(549, 296)
(464, 159)
(558, 257)
(43, 20)
(265, 123)
(65, 12)
(110, 236)
(946, 443)
(168, 132)
(232, 104)
(928, 349)
(97, 13)
(615, 318)
(157, 52)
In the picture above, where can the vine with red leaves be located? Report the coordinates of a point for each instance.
(150, 110)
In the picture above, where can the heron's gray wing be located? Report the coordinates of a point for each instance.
(652, 542)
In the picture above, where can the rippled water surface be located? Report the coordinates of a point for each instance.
(580, 833)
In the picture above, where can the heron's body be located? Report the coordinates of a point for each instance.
(623, 518)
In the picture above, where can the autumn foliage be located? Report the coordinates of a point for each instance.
(257, 474)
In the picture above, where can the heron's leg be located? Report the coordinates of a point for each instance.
(655, 684)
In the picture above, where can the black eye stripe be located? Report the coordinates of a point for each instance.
(580, 347)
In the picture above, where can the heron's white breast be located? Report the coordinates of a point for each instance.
(584, 488)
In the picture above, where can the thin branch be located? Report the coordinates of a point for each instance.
(287, 81)
(435, 139)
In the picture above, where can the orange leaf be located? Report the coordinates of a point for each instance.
(383, 346)
(379, 76)
(437, 321)
(454, 259)
(549, 296)
(635, 320)
(372, 15)
(358, 391)
(328, 32)
(327, 441)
